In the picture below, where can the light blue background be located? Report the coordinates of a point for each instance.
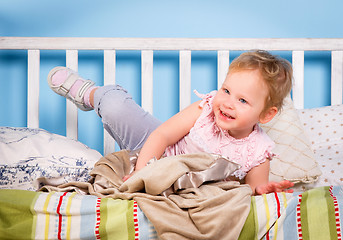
(136, 18)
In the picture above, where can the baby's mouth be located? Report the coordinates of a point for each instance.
(226, 115)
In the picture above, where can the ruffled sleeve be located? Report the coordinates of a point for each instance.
(258, 148)
(206, 98)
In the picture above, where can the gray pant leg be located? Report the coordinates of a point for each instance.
(127, 122)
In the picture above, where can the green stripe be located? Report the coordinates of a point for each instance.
(129, 220)
(250, 228)
(103, 219)
(331, 214)
(115, 218)
(304, 215)
(317, 214)
(16, 218)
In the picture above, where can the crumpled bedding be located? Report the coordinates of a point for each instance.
(209, 210)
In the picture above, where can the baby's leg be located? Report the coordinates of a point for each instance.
(122, 117)
(125, 120)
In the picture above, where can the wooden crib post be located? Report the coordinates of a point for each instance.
(72, 126)
(147, 59)
(185, 78)
(298, 74)
(336, 77)
(33, 59)
(109, 78)
(223, 66)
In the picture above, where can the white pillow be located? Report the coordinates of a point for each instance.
(324, 126)
(295, 159)
(28, 154)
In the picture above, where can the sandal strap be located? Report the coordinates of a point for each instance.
(68, 83)
(82, 90)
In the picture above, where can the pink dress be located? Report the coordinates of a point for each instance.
(206, 136)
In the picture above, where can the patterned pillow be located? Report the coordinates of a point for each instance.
(27, 155)
(324, 126)
(295, 159)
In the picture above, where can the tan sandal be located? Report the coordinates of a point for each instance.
(64, 88)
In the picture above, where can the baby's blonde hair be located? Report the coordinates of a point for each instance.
(276, 72)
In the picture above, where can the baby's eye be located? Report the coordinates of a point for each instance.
(243, 100)
(226, 91)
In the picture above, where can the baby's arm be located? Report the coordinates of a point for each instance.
(258, 179)
(167, 134)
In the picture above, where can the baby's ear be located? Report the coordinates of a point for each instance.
(268, 115)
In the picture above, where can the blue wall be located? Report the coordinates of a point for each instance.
(136, 18)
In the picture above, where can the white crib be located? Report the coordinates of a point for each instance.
(275, 215)
(184, 46)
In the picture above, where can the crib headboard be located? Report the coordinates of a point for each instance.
(184, 46)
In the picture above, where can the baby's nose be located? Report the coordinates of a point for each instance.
(229, 103)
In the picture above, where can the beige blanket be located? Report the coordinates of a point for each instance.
(213, 210)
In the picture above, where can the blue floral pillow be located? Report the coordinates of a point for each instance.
(29, 157)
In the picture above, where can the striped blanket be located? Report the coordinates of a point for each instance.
(314, 214)
(57, 215)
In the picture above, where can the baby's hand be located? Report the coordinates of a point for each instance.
(126, 177)
(274, 187)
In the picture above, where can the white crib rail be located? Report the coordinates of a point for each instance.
(298, 75)
(336, 77)
(33, 62)
(72, 129)
(185, 47)
(109, 78)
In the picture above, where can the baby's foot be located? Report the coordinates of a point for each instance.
(69, 84)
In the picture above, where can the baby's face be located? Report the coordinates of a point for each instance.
(240, 101)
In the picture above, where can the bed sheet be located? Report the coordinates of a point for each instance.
(314, 214)
(61, 215)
